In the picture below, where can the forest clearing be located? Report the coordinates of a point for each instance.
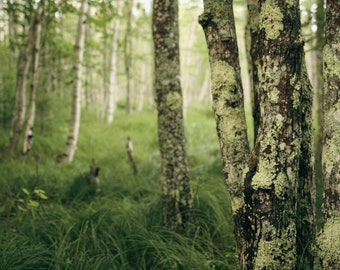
(192, 134)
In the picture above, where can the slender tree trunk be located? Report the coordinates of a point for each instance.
(143, 84)
(113, 84)
(219, 28)
(128, 56)
(318, 100)
(72, 139)
(329, 243)
(28, 139)
(177, 195)
(19, 110)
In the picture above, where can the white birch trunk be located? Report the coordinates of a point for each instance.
(19, 110)
(128, 56)
(72, 139)
(112, 93)
(142, 86)
(28, 140)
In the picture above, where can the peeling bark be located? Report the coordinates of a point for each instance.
(177, 195)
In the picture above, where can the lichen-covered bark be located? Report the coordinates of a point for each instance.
(279, 180)
(177, 195)
(328, 241)
(219, 28)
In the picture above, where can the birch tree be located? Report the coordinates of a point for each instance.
(328, 240)
(72, 139)
(112, 91)
(19, 110)
(28, 139)
(177, 197)
(128, 55)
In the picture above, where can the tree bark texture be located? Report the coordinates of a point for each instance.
(279, 186)
(28, 139)
(177, 194)
(228, 104)
(19, 110)
(72, 139)
(328, 240)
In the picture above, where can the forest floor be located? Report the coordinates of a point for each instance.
(119, 227)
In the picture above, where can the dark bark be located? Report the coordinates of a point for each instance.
(328, 241)
(177, 197)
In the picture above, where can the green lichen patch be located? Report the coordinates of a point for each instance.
(274, 95)
(223, 77)
(271, 19)
(329, 244)
(263, 179)
(332, 63)
(276, 252)
(173, 100)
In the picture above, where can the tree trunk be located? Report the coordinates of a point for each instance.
(72, 139)
(128, 55)
(281, 179)
(264, 195)
(19, 110)
(219, 28)
(28, 139)
(112, 91)
(177, 194)
(329, 243)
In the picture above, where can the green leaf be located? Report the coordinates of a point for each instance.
(33, 204)
(24, 190)
(41, 194)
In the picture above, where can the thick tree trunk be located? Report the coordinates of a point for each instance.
(28, 139)
(112, 91)
(177, 195)
(72, 139)
(281, 180)
(219, 28)
(329, 243)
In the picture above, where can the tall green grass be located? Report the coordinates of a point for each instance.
(119, 228)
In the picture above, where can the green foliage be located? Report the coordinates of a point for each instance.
(120, 227)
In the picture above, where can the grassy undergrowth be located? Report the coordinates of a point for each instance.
(119, 228)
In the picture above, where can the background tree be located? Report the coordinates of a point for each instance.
(112, 91)
(177, 197)
(28, 138)
(72, 139)
(128, 54)
(328, 240)
(19, 110)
